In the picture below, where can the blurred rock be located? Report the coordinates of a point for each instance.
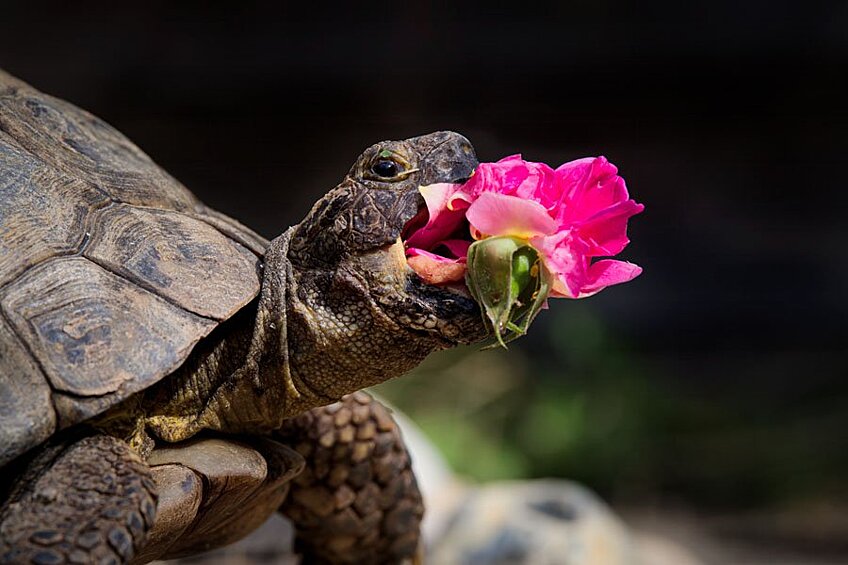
(271, 543)
(654, 549)
(544, 522)
(441, 489)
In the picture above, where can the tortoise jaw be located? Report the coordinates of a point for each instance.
(447, 312)
(440, 288)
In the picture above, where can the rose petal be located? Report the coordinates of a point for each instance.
(459, 202)
(415, 252)
(499, 214)
(565, 258)
(568, 177)
(512, 176)
(607, 273)
(442, 221)
(434, 269)
(606, 231)
(538, 183)
(588, 186)
(457, 247)
(488, 177)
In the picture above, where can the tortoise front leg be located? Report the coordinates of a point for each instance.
(214, 491)
(357, 501)
(89, 501)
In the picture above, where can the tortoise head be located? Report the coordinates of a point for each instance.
(371, 206)
(356, 229)
(349, 261)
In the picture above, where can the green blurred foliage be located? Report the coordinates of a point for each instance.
(574, 401)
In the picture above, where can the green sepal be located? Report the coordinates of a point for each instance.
(511, 284)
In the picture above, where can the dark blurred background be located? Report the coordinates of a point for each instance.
(716, 382)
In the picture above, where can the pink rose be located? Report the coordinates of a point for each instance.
(570, 216)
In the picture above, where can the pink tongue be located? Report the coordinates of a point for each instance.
(436, 272)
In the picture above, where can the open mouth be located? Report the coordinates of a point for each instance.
(437, 238)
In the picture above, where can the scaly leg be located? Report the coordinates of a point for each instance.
(357, 501)
(91, 501)
(214, 491)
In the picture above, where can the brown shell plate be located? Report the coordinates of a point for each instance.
(110, 270)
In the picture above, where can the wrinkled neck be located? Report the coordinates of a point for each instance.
(340, 339)
(313, 335)
(238, 379)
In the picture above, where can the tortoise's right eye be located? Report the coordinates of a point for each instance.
(386, 168)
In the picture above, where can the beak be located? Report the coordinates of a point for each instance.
(452, 159)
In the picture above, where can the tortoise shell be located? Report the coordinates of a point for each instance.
(110, 269)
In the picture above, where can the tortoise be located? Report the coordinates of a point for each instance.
(152, 348)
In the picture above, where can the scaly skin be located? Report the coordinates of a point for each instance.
(86, 502)
(358, 500)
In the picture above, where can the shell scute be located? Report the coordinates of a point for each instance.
(175, 255)
(42, 212)
(95, 333)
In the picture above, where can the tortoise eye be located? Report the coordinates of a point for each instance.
(386, 168)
